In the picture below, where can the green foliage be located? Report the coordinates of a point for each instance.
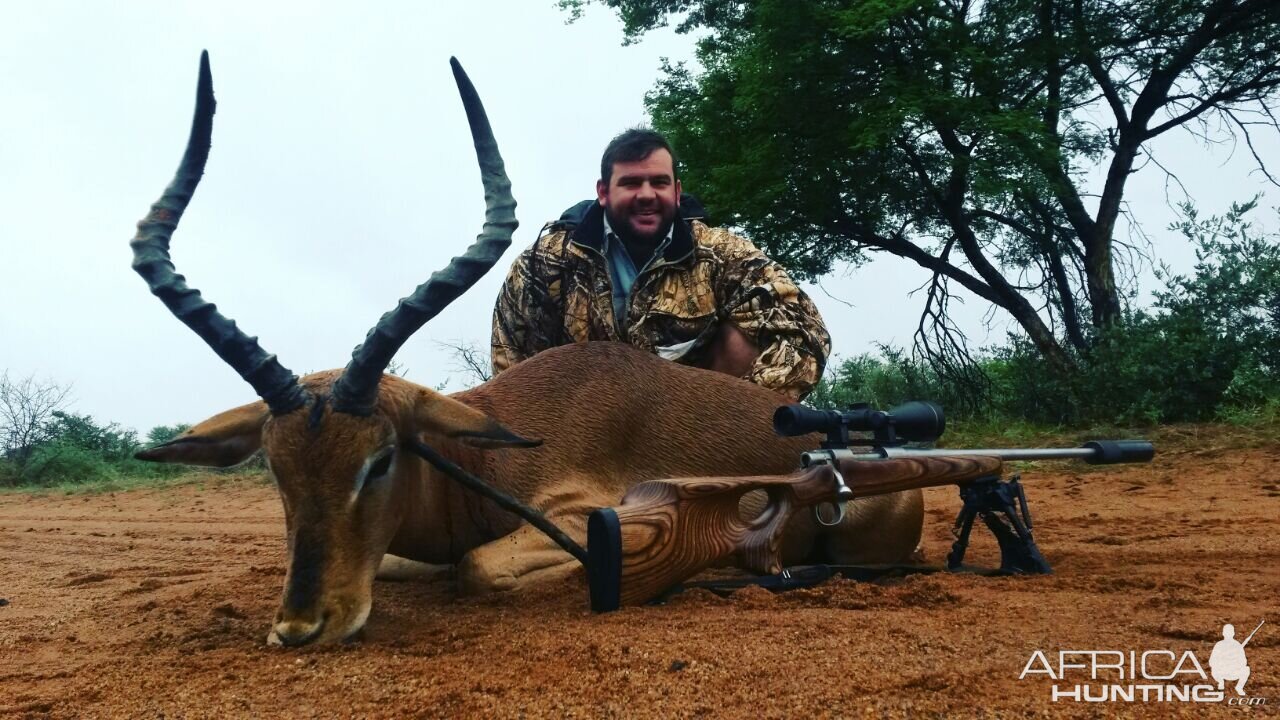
(1210, 349)
(885, 381)
(1235, 288)
(162, 434)
(26, 409)
(1266, 415)
(61, 462)
(1157, 368)
(1211, 346)
(77, 450)
(963, 137)
(1166, 367)
(110, 441)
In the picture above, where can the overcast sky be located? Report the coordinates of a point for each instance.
(341, 176)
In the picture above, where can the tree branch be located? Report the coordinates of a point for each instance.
(904, 248)
(1094, 64)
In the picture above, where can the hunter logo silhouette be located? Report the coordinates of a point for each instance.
(1227, 661)
(1159, 675)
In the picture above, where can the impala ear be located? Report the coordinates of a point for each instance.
(441, 414)
(226, 439)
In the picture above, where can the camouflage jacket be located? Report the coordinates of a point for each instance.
(559, 292)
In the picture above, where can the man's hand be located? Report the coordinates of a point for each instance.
(731, 352)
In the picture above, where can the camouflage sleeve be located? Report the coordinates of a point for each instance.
(520, 313)
(779, 318)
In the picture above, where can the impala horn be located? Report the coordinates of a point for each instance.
(356, 392)
(272, 381)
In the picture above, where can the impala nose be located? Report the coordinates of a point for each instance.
(292, 633)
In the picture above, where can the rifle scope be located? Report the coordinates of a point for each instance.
(917, 421)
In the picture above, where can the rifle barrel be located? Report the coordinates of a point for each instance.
(1097, 452)
(1255, 632)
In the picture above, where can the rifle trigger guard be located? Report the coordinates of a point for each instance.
(843, 495)
(817, 514)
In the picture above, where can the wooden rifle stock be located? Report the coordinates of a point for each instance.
(666, 531)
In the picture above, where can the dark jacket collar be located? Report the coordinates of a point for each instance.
(590, 233)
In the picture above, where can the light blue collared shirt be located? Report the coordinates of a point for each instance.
(622, 269)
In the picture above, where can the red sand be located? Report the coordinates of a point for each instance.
(157, 603)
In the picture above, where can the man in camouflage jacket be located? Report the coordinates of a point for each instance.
(632, 270)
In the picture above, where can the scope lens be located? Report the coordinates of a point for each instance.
(918, 421)
(791, 420)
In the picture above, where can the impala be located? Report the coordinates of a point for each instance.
(564, 432)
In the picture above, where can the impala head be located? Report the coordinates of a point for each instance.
(332, 439)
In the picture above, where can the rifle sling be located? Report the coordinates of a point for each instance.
(503, 500)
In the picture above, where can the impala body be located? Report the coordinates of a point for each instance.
(565, 432)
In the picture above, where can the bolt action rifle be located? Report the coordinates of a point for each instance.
(666, 531)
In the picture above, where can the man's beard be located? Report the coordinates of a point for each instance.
(623, 229)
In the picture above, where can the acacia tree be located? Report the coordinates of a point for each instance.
(469, 359)
(956, 134)
(27, 407)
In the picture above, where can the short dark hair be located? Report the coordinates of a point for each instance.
(632, 146)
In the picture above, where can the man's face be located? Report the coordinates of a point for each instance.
(642, 197)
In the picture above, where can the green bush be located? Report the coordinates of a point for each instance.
(1024, 385)
(1165, 367)
(60, 463)
(1168, 367)
(1209, 348)
(10, 473)
(1235, 293)
(80, 451)
(162, 434)
(111, 442)
(883, 382)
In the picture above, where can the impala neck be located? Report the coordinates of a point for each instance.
(441, 520)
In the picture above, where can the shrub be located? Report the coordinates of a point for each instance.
(1166, 366)
(59, 463)
(110, 441)
(10, 473)
(162, 434)
(884, 381)
(1235, 292)
(1209, 348)
(78, 450)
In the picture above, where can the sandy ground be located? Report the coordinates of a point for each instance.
(156, 603)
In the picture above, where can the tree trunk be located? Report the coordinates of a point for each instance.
(1104, 299)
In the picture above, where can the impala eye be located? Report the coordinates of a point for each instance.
(380, 466)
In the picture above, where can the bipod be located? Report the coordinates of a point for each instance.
(1003, 507)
